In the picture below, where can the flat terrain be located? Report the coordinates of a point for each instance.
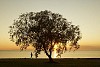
(64, 62)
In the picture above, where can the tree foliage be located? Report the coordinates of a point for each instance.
(43, 30)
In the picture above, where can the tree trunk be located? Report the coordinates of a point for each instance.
(50, 59)
(49, 56)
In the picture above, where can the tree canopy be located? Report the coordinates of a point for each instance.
(43, 30)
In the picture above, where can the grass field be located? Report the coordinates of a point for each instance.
(64, 62)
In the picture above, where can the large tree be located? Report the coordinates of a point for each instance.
(43, 30)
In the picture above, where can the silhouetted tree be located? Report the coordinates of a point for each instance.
(43, 30)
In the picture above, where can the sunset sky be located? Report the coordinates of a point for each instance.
(85, 13)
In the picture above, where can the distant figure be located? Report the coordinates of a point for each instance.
(31, 55)
(36, 55)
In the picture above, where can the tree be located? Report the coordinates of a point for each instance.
(43, 30)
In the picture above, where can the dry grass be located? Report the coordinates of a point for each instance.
(64, 62)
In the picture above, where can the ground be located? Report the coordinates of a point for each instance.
(64, 62)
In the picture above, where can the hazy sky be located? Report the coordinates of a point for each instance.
(85, 13)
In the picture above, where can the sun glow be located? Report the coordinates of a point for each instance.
(58, 50)
(55, 53)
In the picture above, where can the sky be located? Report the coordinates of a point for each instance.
(85, 13)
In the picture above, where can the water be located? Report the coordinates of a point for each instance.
(26, 54)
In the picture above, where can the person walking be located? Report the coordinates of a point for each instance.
(31, 55)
